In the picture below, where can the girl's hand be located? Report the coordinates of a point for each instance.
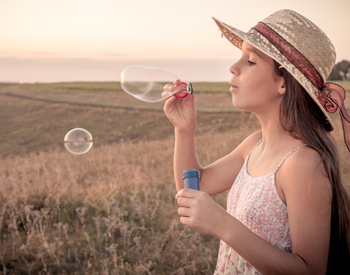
(181, 112)
(201, 212)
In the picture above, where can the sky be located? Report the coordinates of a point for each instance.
(94, 40)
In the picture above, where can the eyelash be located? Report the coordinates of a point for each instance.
(251, 63)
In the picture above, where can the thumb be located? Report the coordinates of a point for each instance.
(189, 101)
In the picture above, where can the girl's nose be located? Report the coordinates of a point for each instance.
(234, 69)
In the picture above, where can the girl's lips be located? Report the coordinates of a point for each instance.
(233, 88)
(232, 85)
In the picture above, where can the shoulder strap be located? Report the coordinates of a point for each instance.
(278, 167)
(254, 148)
(247, 158)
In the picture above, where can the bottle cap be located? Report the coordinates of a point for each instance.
(192, 173)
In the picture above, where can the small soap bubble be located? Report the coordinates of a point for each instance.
(78, 141)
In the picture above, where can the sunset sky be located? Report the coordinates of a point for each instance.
(93, 40)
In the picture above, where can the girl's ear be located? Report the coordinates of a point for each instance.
(282, 87)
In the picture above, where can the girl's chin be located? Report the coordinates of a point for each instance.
(235, 103)
(239, 105)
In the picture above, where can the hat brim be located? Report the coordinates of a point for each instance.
(253, 37)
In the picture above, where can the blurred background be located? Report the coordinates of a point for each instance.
(90, 40)
(112, 210)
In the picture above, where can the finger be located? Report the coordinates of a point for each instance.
(184, 202)
(166, 95)
(169, 103)
(184, 220)
(189, 101)
(184, 211)
(168, 87)
(189, 193)
(177, 81)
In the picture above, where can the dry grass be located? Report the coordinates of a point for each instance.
(112, 210)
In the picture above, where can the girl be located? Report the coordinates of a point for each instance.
(287, 208)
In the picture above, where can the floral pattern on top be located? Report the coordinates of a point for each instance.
(255, 202)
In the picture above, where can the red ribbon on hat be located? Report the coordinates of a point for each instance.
(331, 95)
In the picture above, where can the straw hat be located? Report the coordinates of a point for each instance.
(295, 42)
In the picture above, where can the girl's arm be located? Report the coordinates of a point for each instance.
(308, 196)
(216, 177)
(182, 114)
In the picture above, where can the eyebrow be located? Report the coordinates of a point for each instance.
(251, 49)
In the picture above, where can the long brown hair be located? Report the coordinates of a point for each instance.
(295, 111)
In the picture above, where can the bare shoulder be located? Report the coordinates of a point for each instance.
(305, 170)
(305, 159)
(308, 195)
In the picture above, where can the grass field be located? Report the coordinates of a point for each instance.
(112, 210)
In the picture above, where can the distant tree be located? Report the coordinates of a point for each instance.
(341, 71)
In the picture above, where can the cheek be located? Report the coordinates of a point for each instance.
(262, 84)
(255, 91)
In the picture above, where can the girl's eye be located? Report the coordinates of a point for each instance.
(251, 63)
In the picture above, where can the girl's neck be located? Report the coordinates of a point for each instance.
(274, 137)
